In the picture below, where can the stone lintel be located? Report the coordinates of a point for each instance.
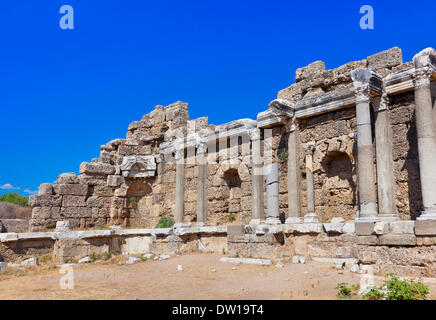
(282, 108)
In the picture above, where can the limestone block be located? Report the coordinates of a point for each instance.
(348, 227)
(335, 226)
(364, 228)
(235, 229)
(42, 212)
(73, 201)
(45, 201)
(398, 240)
(129, 150)
(368, 240)
(114, 181)
(30, 262)
(96, 168)
(309, 71)
(402, 227)
(259, 262)
(67, 178)
(72, 189)
(63, 226)
(381, 228)
(45, 189)
(137, 245)
(98, 202)
(304, 228)
(76, 212)
(425, 227)
(385, 59)
(3, 265)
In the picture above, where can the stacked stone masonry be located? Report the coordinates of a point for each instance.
(366, 122)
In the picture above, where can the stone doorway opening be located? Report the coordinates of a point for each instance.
(139, 197)
(339, 186)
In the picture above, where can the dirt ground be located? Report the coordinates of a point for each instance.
(202, 277)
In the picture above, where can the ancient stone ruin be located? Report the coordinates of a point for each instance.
(340, 165)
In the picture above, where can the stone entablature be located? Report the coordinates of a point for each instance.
(336, 110)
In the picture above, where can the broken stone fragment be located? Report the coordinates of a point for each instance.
(68, 178)
(114, 181)
(96, 168)
(45, 188)
(385, 59)
(309, 71)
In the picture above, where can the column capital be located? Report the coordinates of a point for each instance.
(292, 125)
(381, 103)
(179, 154)
(421, 77)
(366, 83)
(254, 134)
(309, 147)
(425, 58)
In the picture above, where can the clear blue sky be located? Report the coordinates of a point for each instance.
(63, 93)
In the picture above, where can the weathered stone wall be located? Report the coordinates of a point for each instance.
(132, 183)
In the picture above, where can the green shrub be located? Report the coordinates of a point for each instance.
(283, 154)
(93, 256)
(13, 197)
(345, 292)
(165, 222)
(132, 200)
(231, 217)
(108, 255)
(394, 288)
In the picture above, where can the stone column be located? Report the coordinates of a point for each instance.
(258, 213)
(180, 187)
(202, 185)
(385, 163)
(294, 211)
(310, 217)
(272, 194)
(425, 131)
(365, 153)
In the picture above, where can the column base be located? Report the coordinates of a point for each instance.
(311, 218)
(273, 220)
(388, 217)
(256, 221)
(374, 218)
(427, 215)
(293, 220)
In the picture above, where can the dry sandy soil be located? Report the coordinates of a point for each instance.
(202, 277)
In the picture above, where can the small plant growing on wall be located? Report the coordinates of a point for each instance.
(165, 222)
(231, 217)
(132, 200)
(283, 154)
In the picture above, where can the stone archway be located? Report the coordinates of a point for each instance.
(139, 198)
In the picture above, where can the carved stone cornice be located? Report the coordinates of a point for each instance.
(282, 108)
(366, 83)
